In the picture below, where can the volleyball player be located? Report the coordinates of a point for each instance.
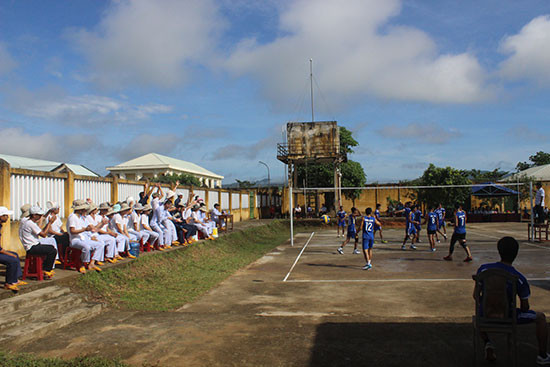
(459, 235)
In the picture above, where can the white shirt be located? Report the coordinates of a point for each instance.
(28, 234)
(539, 197)
(77, 222)
(187, 213)
(143, 221)
(56, 225)
(155, 203)
(133, 218)
(116, 219)
(21, 221)
(215, 214)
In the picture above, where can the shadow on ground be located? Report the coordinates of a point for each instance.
(408, 344)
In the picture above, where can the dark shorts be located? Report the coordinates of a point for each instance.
(410, 230)
(526, 317)
(418, 227)
(377, 228)
(352, 234)
(368, 242)
(341, 223)
(458, 237)
(430, 231)
(441, 224)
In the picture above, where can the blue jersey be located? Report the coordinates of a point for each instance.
(407, 214)
(368, 227)
(417, 216)
(440, 214)
(377, 214)
(432, 221)
(460, 227)
(522, 286)
(341, 215)
(351, 223)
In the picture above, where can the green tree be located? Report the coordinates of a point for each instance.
(322, 174)
(245, 184)
(184, 179)
(448, 197)
(538, 159)
(479, 176)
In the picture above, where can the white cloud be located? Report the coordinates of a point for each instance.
(47, 146)
(142, 42)
(356, 52)
(429, 133)
(530, 52)
(7, 63)
(53, 104)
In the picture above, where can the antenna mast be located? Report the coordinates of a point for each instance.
(311, 87)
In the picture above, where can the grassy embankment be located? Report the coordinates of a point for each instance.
(166, 281)
(28, 360)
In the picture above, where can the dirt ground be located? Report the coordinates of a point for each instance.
(411, 309)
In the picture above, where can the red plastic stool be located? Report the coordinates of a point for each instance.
(33, 267)
(72, 258)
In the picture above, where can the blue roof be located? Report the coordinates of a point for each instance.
(43, 165)
(491, 189)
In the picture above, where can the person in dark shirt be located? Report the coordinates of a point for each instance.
(508, 249)
(9, 258)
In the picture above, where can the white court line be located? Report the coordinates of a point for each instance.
(298, 258)
(387, 280)
(498, 238)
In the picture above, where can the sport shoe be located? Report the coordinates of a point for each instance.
(418, 241)
(356, 252)
(340, 251)
(432, 249)
(367, 267)
(384, 241)
(438, 241)
(490, 352)
(413, 247)
(468, 259)
(403, 247)
(448, 258)
(543, 361)
(445, 236)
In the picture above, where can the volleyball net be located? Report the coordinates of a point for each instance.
(508, 201)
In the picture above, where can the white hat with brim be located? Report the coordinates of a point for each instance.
(138, 207)
(124, 207)
(147, 207)
(25, 210)
(80, 205)
(36, 210)
(5, 211)
(104, 206)
(91, 207)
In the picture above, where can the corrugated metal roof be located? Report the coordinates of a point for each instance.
(154, 160)
(538, 173)
(43, 165)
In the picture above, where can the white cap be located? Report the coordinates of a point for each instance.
(36, 210)
(52, 205)
(5, 211)
(130, 200)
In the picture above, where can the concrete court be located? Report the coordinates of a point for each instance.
(411, 309)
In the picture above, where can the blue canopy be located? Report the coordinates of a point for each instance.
(490, 189)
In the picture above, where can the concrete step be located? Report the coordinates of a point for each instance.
(36, 312)
(39, 329)
(31, 299)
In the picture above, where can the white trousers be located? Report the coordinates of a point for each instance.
(88, 247)
(160, 230)
(202, 228)
(122, 243)
(110, 244)
(151, 235)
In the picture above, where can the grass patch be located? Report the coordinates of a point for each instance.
(165, 281)
(28, 360)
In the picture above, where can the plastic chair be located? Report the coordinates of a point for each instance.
(33, 267)
(495, 310)
(72, 258)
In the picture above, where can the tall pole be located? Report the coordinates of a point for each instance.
(532, 231)
(268, 176)
(311, 87)
(291, 209)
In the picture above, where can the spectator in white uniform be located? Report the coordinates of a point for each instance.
(118, 224)
(34, 239)
(135, 223)
(82, 238)
(132, 219)
(108, 212)
(170, 195)
(144, 225)
(99, 225)
(198, 223)
(215, 216)
(56, 229)
(203, 215)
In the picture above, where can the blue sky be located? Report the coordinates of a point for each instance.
(463, 84)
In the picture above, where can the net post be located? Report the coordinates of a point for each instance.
(291, 211)
(532, 231)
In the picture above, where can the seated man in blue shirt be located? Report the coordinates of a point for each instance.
(508, 249)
